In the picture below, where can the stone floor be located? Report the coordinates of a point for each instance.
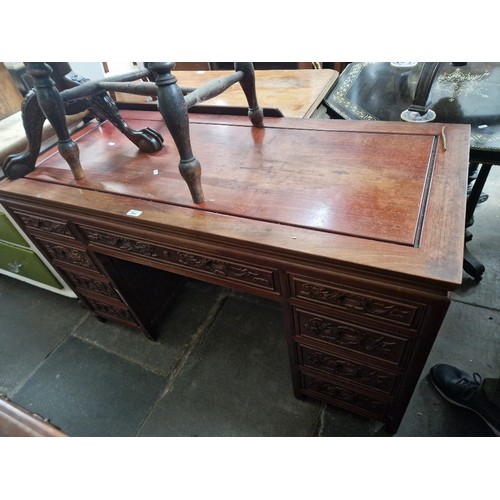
(220, 366)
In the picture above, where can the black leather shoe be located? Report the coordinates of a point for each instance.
(469, 391)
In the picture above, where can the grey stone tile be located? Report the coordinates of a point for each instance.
(33, 321)
(236, 382)
(469, 337)
(485, 246)
(89, 392)
(336, 422)
(470, 340)
(192, 306)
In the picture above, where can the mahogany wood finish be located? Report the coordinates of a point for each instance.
(356, 228)
(456, 92)
(295, 93)
(16, 421)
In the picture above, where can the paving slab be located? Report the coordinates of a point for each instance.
(236, 381)
(33, 322)
(194, 304)
(86, 391)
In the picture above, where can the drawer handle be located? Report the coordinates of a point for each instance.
(14, 267)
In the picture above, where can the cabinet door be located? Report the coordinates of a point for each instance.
(24, 263)
(9, 233)
(20, 259)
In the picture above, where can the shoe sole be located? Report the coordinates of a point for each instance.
(493, 429)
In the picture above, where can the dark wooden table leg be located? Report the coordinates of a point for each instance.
(255, 112)
(20, 164)
(146, 139)
(173, 108)
(471, 265)
(419, 109)
(52, 105)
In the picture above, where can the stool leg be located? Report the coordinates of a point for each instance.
(173, 108)
(52, 105)
(146, 139)
(255, 112)
(20, 164)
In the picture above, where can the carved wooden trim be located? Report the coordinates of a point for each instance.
(233, 270)
(344, 395)
(94, 285)
(32, 222)
(366, 341)
(111, 310)
(69, 255)
(358, 303)
(350, 370)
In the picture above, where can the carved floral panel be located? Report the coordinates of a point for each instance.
(263, 278)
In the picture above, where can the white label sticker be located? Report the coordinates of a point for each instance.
(134, 213)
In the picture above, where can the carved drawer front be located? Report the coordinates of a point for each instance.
(37, 223)
(111, 310)
(351, 337)
(359, 302)
(344, 397)
(66, 254)
(348, 370)
(227, 269)
(94, 284)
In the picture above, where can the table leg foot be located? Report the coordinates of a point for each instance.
(70, 152)
(255, 112)
(191, 172)
(472, 266)
(146, 139)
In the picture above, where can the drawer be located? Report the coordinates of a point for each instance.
(360, 302)
(340, 367)
(9, 233)
(343, 396)
(194, 263)
(351, 338)
(111, 310)
(49, 225)
(95, 284)
(66, 254)
(25, 263)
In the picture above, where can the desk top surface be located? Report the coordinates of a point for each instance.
(461, 94)
(386, 195)
(296, 92)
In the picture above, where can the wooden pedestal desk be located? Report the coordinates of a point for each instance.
(356, 228)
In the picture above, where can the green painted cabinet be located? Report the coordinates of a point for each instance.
(20, 259)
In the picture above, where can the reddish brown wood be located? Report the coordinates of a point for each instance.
(355, 227)
(16, 421)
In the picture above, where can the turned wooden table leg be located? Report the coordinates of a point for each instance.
(52, 105)
(173, 108)
(255, 112)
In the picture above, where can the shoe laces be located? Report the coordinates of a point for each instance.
(469, 387)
